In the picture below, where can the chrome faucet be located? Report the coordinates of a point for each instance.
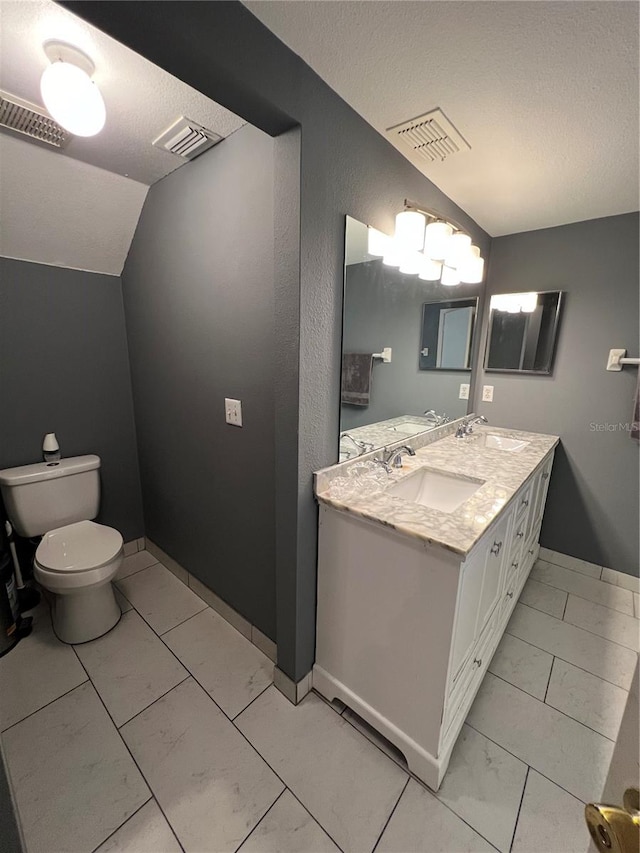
(393, 458)
(466, 427)
(434, 418)
(361, 446)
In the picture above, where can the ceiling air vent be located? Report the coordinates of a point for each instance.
(31, 120)
(186, 139)
(430, 136)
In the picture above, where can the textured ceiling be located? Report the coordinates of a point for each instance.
(142, 100)
(546, 93)
(62, 212)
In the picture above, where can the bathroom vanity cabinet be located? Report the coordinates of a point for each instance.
(406, 629)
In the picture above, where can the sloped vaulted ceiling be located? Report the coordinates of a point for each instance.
(79, 207)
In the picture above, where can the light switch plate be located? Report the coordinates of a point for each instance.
(487, 393)
(464, 391)
(233, 411)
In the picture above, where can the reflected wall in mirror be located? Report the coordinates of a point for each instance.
(523, 329)
(383, 402)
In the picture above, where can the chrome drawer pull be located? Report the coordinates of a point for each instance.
(545, 475)
(510, 595)
(531, 550)
(496, 547)
(477, 661)
(515, 565)
(520, 534)
(525, 502)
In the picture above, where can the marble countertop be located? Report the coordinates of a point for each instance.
(503, 474)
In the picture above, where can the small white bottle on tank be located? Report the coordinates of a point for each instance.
(50, 448)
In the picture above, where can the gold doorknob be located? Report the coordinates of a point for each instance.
(616, 829)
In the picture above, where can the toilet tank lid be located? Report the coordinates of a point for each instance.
(24, 474)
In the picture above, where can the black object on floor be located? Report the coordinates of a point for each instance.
(28, 598)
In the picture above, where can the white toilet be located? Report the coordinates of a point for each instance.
(77, 559)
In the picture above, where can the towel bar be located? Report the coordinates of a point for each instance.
(385, 355)
(617, 359)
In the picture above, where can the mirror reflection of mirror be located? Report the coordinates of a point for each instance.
(523, 329)
(447, 334)
(384, 401)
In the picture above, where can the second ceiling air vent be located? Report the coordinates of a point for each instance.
(430, 136)
(31, 120)
(186, 139)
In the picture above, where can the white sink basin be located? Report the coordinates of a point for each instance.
(410, 428)
(501, 442)
(435, 489)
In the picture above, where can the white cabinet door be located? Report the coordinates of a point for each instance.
(541, 486)
(496, 549)
(467, 611)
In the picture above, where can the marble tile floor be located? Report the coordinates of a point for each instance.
(167, 734)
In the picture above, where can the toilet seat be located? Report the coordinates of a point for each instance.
(78, 547)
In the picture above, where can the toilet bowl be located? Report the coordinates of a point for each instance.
(76, 563)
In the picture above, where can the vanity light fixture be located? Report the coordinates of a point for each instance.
(430, 246)
(69, 93)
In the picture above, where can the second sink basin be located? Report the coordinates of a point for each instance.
(435, 489)
(501, 442)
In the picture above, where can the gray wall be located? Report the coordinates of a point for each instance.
(64, 368)
(345, 167)
(198, 289)
(384, 308)
(592, 509)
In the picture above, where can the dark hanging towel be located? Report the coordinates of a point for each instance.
(356, 378)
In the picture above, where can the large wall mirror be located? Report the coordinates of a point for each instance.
(407, 348)
(523, 328)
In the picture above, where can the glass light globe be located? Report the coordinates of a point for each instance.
(431, 270)
(458, 248)
(377, 242)
(411, 263)
(436, 240)
(410, 229)
(449, 277)
(73, 99)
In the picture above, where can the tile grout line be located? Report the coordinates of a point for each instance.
(581, 668)
(193, 615)
(515, 826)
(264, 689)
(137, 571)
(146, 707)
(391, 813)
(539, 772)
(117, 829)
(577, 595)
(564, 714)
(406, 769)
(277, 799)
(546, 691)
(46, 705)
(602, 637)
(126, 746)
(579, 627)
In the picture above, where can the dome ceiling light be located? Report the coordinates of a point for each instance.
(69, 93)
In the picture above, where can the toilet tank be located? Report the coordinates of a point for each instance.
(47, 495)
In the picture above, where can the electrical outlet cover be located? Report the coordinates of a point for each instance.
(464, 391)
(487, 393)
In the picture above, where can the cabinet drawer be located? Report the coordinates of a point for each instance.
(469, 678)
